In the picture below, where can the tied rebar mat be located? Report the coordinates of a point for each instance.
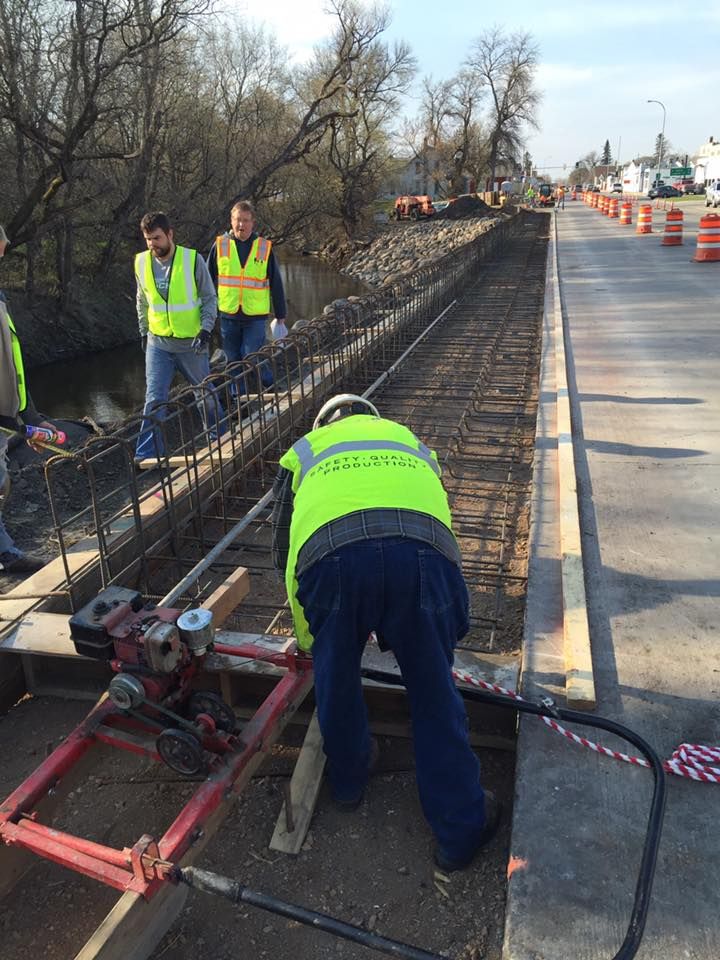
(468, 389)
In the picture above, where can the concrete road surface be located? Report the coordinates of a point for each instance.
(642, 326)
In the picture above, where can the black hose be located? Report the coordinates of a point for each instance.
(638, 916)
(237, 893)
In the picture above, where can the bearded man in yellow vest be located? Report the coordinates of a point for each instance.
(362, 529)
(249, 285)
(16, 409)
(176, 309)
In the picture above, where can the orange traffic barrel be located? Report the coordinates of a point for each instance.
(594, 199)
(708, 238)
(625, 212)
(605, 206)
(644, 219)
(613, 208)
(673, 235)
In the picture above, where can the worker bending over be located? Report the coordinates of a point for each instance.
(362, 528)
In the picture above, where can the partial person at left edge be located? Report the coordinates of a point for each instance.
(16, 409)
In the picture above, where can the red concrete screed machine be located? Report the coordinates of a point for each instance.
(157, 654)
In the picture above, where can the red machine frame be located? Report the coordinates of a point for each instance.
(144, 867)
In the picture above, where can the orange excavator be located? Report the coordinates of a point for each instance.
(413, 208)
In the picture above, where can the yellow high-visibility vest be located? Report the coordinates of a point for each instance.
(357, 463)
(19, 366)
(243, 288)
(180, 315)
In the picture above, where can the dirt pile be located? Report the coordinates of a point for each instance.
(465, 206)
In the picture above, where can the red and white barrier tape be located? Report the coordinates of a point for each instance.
(693, 760)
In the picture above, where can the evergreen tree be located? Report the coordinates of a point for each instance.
(606, 156)
(662, 150)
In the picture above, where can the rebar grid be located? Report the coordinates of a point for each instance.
(225, 437)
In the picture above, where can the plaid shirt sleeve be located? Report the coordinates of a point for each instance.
(281, 516)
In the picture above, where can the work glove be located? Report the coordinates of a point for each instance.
(143, 343)
(201, 341)
(278, 329)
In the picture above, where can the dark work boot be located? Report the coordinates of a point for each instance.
(17, 563)
(492, 818)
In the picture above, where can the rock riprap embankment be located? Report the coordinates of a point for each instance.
(404, 247)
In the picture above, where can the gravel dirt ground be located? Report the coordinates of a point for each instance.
(372, 867)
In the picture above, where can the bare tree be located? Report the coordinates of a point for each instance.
(64, 81)
(465, 95)
(505, 64)
(368, 101)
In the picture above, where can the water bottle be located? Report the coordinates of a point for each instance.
(43, 434)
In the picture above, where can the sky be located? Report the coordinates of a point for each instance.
(599, 65)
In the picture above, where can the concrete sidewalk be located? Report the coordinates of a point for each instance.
(642, 330)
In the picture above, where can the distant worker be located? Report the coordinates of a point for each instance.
(16, 409)
(560, 197)
(530, 196)
(362, 528)
(249, 283)
(176, 309)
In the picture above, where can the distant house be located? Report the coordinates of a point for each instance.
(423, 174)
(707, 167)
(414, 175)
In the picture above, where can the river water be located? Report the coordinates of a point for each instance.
(111, 384)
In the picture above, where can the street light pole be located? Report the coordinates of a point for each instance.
(662, 139)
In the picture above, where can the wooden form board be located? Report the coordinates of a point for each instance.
(297, 810)
(48, 634)
(579, 678)
(231, 592)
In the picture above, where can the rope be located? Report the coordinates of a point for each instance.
(693, 760)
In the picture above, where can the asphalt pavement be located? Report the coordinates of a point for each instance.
(642, 331)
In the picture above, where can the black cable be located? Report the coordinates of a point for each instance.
(648, 861)
(237, 893)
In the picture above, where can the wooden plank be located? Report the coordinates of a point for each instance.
(134, 926)
(290, 832)
(228, 595)
(151, 463)
(579, 678)
(402, 729)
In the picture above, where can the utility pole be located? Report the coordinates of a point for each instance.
(662, 139)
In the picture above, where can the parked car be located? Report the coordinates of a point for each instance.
(663, 192)
(617, 187)
(684, 182)
(712, 194)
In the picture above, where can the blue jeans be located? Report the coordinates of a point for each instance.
(241, 337)
(7, 544)
(417, 602)
(160, 367)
